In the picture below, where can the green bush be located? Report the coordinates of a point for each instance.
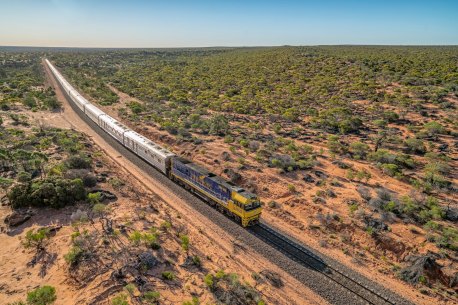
(42, 296)
(208, 280)
(415, 145)
(338, 119)
(151, 296)
(390, 169)
(422, 211)
(168, 275)
(120, 299)
(448, 239)
(77, 162)
(194, 301)
(390, 116)
(359, 150)
(51, 192)
(184, 242)
(433, 128)
(74, 256)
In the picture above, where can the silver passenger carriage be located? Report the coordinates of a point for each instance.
(113, 127)
(154, 154)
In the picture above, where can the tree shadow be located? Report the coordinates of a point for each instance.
(44, 217)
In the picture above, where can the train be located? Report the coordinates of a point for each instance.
(230, 199)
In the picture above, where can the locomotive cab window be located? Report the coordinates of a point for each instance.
(252, 206)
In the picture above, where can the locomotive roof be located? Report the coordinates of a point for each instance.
(216, 178)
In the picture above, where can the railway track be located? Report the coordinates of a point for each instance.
(304, 257)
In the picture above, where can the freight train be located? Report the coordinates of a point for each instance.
(230, 199)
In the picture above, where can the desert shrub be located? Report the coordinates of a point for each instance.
(151, 296)
(226, 287)
(433, 128)
(165, 225)
(359, 150)
(390, 116)
(380, 123)
(448, 238)
(291, 114)
(24, 177)
(135, 237)
(53, 192)
(136, 107)
(364, 192)
(282, 161)
(196, 261)
(184, 242)
(307, 163)
(94, 198)
(51, 103)
(194, 301)
(168, 275)
(337, 119)
(209, 281)
(390, 206)
(77, 162)
(219, 125)
(415, 146)
(254, 146)
(120, 299)
(434, 174)
(382, 156)
(89, 180)
(376, 203)
(229, 139)
(421, 210)
(130, 288)
(383, 194)
(390, 169)
(42, 296)
(334, 145)
(291, 188)
(79, 215)
(74, 256)
(272, 204)
(363, 175)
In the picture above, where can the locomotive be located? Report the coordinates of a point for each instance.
(243, 206)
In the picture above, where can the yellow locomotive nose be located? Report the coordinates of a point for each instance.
(246, 205)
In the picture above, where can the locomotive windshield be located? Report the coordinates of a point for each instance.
(253, 205)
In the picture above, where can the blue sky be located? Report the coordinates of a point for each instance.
(179, 23)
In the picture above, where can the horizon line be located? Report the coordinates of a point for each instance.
(228, 46)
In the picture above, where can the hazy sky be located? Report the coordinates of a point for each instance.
(179, 23)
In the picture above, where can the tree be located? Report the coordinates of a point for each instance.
(36, 238)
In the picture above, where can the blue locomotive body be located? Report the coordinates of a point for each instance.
(201, 179)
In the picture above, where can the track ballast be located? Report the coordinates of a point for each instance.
(298, 253)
